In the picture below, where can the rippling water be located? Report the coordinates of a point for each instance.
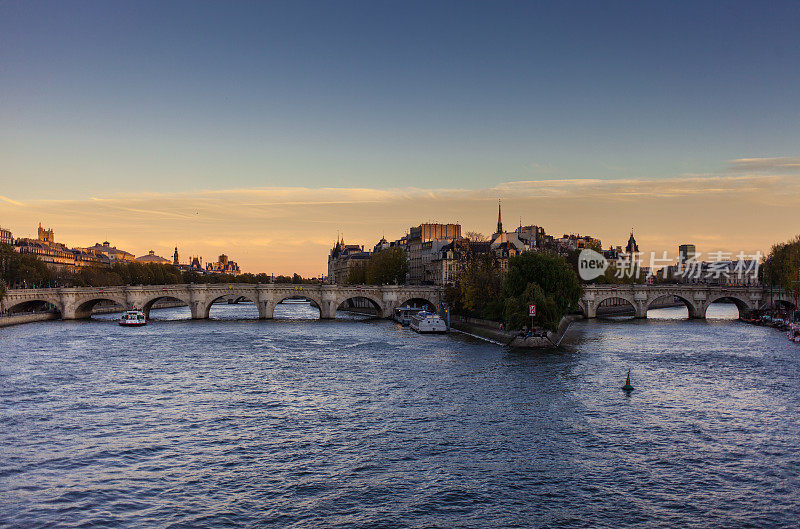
(347, 423)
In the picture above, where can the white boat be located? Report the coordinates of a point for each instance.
(427, 322)
(133, 318)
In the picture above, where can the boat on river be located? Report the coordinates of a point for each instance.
(403, 315)
(133, 318)
(427, 322)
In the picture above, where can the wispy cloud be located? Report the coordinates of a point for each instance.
(781, 164)
(10, 201)
(283, 230)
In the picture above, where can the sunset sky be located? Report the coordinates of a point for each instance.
(262, 129)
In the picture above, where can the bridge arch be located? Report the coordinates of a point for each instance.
(316, 300)
(420, 301)
(743, 305)
(374, 301)
(690, 307)
(603, 306)
(312, 297)
(33, 305)
(237, 296)
(148, 303)
(83, 307)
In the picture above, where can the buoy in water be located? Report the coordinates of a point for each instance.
(627, 386)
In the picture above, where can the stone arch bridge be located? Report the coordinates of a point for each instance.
(697, 298)
(78, 302)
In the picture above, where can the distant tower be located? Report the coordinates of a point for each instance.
(175, 257)
(499, 218)
(686, 252)
(632, 247)
(46, 235)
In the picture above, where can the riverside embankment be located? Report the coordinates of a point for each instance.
(492, 331)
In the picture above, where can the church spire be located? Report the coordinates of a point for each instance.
(631, 247)
(499, 218)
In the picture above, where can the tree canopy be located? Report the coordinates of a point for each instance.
(542, 279)
(385, 267)
(18, 269)
(477, 288)
(781, 268)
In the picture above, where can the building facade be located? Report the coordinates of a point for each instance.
(224, 266)
(5, 236)
(113, 254)
(420, 254)
(686, 252)
(151, 257)
(342, 259)
(56, 255)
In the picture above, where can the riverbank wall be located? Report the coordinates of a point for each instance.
(27, 317)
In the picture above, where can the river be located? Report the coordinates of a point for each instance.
(234, 422)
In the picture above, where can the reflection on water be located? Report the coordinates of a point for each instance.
(716, 311)
(354, 422)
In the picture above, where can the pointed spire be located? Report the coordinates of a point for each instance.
(631, 247)
(499, 217)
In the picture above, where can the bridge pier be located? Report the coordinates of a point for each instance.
(265, 309)
(199, 310)
(327, 309)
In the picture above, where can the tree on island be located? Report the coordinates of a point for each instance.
(385, 267)
(542, 279)
(477, 290)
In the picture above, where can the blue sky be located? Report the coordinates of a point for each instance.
(263, 130)
(110, 97)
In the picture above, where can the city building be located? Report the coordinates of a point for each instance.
(224, 266)
(56, 255)
(534, 237)
(111, 252)
(343, 258)
(723, 272)
(5, 236)
(383, 244)
(686, 252)
(631, 248)
(451, 258)
(46, 235)
(430, 254)
(419, 236)
(572, 242)
(151, 257)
